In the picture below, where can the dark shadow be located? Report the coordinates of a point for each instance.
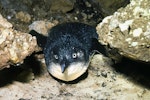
(94, 11)
(8, 75)
(22, 73)
(98, 48)
(33, 63)
(139, 72)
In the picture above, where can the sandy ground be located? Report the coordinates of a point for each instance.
(102, 83)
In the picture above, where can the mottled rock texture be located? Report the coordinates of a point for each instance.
(128, 30)
(15, 46)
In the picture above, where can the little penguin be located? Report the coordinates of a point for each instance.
(68, 49)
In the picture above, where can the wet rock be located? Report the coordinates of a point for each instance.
(15, 46)
(128, 30)
(16, 4)
(61, 5)
(23, 16)
(108, 7)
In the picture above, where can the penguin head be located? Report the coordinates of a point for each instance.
(68, 49)
(67, 63)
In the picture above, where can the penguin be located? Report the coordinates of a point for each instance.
(67, 49)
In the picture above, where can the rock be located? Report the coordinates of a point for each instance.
(23, 16)
(4, 23)
(108, 7)
(61, 5)
(16, 5)
(15, 46)
(128, 30)
(42, 27)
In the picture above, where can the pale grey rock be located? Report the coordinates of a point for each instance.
(128, 30)
(15, 46)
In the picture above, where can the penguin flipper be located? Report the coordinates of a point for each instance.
(41, 39)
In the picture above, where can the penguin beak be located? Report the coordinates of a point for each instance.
(63, 65)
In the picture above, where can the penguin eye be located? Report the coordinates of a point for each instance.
(56, 57)
(74, 55)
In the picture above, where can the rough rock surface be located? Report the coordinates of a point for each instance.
(15, 46)
(128, 30)
(42, 27)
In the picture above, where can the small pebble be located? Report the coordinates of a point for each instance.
(104, 84)
(104, 74)
(134, 44)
